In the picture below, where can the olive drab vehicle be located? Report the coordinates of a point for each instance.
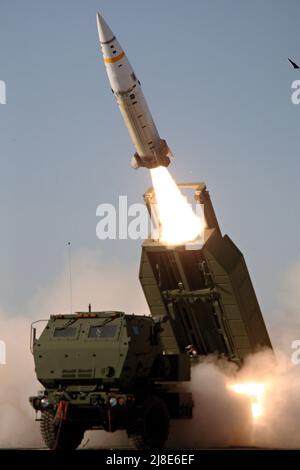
(114, 371)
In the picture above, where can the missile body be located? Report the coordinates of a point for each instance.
(151, 150)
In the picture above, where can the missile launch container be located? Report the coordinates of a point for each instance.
(115, 371)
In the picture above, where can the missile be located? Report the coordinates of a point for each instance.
(151, 150)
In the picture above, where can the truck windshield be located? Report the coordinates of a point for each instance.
(64, 332)
(105, 331)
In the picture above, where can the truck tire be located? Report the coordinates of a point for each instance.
(149, 429)
(68, 436)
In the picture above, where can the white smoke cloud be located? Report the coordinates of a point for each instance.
(17, 383)
(223, 418)
(220, 418)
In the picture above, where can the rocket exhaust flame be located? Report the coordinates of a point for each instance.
(178, 222)
(255, 392)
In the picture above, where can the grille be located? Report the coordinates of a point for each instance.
(77, 373)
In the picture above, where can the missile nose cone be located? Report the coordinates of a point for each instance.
(104, 31)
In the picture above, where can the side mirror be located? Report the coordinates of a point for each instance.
(32, 338)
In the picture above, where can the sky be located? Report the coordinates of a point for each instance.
(216, 78)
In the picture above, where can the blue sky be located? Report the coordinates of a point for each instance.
(216, 77)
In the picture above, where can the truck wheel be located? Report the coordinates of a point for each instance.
(150, 428)
(68, 436)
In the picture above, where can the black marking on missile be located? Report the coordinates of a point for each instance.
(134, 102)
(120, 65)
(140, 115)
(109, 41)
(132, 96)
(129, 91)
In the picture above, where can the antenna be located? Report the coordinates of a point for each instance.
(70, 277)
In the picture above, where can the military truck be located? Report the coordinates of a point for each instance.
(115, 371)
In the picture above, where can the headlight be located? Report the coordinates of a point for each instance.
(44, 403)
(112, 401)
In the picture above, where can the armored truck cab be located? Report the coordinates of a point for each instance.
(107, 370)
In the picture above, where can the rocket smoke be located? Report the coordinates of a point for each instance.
(221, 418)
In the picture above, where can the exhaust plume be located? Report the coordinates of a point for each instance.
(178, 222)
